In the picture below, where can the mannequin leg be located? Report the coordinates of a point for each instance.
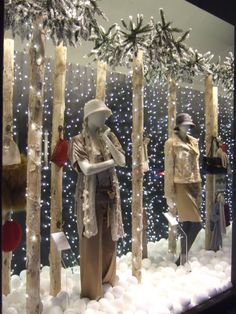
(191, 229)
(194, 229)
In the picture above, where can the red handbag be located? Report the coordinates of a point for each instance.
(11, 235)
(60, 152)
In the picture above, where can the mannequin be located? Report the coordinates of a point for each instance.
(183, 181)
(94, 154)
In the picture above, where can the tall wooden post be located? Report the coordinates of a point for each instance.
(35, 116)
(211, 120)
(8, 79)
(101, 80)
(57, 172)
(171, 125)
(137, 165)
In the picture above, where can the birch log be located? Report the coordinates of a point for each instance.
(137, 165)
(57, 172)
(8, 79)
(35, 116)
(101, 80)
(211, 120)
(171, 125)
(6, 265)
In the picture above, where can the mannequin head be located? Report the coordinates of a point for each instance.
(96, 120)
(95, 114)
(184, 123)
(184, 129)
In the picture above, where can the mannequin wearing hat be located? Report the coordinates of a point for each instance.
(94, 154)
(183, 181)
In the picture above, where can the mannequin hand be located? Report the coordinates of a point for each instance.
(224, 158)
(104, 134)
(170, 202)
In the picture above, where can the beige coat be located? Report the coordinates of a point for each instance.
(86, 189)
(181, 163)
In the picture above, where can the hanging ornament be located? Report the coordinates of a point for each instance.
(11, 235)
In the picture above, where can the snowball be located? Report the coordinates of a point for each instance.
(159, 310)
(80, 305)
(74, 297)
(55, 310)
(123, 267)
(140, 312)
(23, 275)
(44, 286)
(90, 311)
(200, 297)
(109, 296)
(219, 254)
(63, 298)
(117, 291)
(107, 287)
(185, 301)
(146, 263)
(93, 305)
(11, 310)
(123, 284)
(16, 296)
(195, 265)
(132, 280)
(119, 304)
(45, 269)
(15, 282)
(71, 311)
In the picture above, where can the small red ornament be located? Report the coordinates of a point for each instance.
(60, 153)
(11, 235)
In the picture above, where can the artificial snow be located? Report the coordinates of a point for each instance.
(165, 288)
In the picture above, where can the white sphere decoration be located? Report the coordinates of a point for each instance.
(11, 310)
(15, 297)
(63, 298)
(55, 310)
(117, 291)
(80, 305)
(89, 311)
(132, 280)
(15, 282)
(93, 305)
(23, 275)
(146, 263)
(45, 269)
(71, 311)
(109, 296)
(123, 267)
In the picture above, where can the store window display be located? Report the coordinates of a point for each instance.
(94, 154)
(183, 181)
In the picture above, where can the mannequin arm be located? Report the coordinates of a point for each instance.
(88, 168)
(118, 156)
(169, 174)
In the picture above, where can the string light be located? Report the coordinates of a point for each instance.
(80, 87)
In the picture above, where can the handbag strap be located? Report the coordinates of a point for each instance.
(210, 152)
(60, 131)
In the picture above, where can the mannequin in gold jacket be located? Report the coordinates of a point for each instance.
(183, 181)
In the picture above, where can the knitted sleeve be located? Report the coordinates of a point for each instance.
(77, 151)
